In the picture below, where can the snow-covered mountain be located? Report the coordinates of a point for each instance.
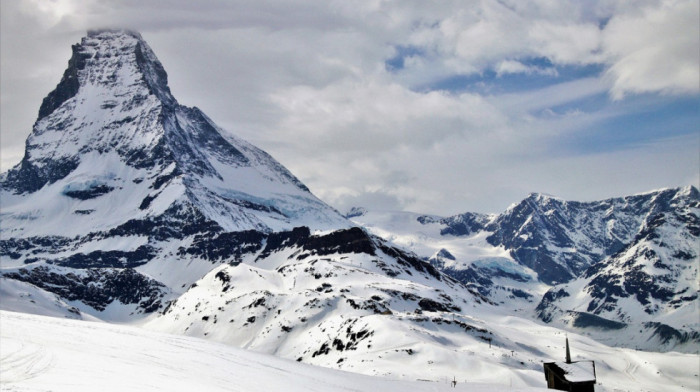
(636, 258)
(129, 207)
(342, 300)
(119, 180)
(111, 144)
(649, 286)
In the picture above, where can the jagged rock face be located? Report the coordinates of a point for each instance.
(464, 224)
(560, 239)
(102, 102)
(649, 285)
(97, 288)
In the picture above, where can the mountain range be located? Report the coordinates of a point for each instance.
(623, 269)
(131, 208)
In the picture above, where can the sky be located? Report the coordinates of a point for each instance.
(437, 107)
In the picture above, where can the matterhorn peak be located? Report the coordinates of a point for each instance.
(112, 136)
(109, 58)
(128, 205)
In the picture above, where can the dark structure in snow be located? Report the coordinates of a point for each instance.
(570, 376)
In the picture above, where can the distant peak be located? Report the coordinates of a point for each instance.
(443, 254)
(542, 196)
(690, 190)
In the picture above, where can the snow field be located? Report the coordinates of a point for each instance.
(41, 353)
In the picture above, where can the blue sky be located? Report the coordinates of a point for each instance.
(435, 107)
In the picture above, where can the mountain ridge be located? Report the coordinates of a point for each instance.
(522, 258)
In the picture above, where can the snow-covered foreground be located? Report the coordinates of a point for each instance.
(39, 353)
(43, 353)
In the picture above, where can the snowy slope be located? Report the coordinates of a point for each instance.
(458, 246)
(24, 297)
(336, 300)
(39, 354)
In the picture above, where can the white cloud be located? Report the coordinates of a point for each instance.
(655, 49)
(516, 67)
(49, 13)
(371, 115)
(646, 46)
(486, 33)
(550, 96)
(307, 82)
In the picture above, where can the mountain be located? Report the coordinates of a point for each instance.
(560, 239)
(636, 256)
(118, 181)
(648, 288)
(128, 207)
(112, 142)
(343, 300)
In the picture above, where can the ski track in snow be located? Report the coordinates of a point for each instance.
(22, 360)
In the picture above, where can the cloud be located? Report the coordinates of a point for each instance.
(370, 115)
(655, 49)
(318, 85)
(551, 96)
(647, 46)
(489, 35)
(516, 67)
